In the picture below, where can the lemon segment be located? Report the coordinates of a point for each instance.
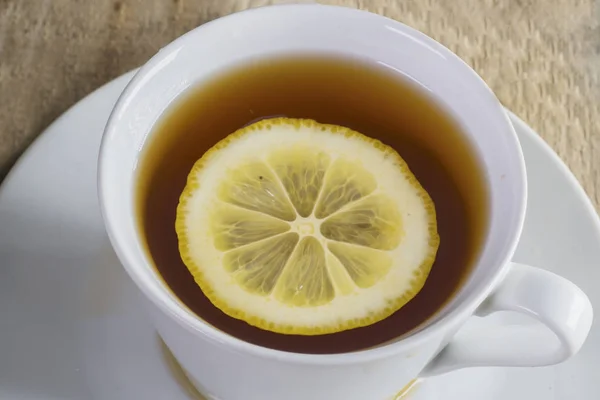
(374, 222)
(257, 267)
(233, 227)
(304, 228)
(301, 173)
(365, 266)
(306, 282)
(346, 182)
(339, 275)
(254, 186)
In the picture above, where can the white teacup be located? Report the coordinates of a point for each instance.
(227, 368)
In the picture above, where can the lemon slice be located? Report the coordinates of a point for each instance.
(303, 228)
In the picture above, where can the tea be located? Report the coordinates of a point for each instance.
(369, 98)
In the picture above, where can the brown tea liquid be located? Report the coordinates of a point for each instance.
(364, 97)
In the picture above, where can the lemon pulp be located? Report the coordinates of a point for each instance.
(304, 228)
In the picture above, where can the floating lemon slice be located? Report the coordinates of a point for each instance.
(302, 228)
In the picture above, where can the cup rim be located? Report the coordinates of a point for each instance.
(205, 330)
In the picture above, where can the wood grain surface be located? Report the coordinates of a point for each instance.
(541, 58)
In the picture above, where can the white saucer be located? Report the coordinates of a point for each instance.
(71, 326)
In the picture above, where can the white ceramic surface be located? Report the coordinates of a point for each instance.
(72, 324)
(227, 368)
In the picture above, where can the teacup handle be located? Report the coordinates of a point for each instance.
(557, 303)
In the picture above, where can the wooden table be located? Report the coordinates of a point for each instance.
(540, 57)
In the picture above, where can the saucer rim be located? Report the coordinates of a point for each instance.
(49, 135)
